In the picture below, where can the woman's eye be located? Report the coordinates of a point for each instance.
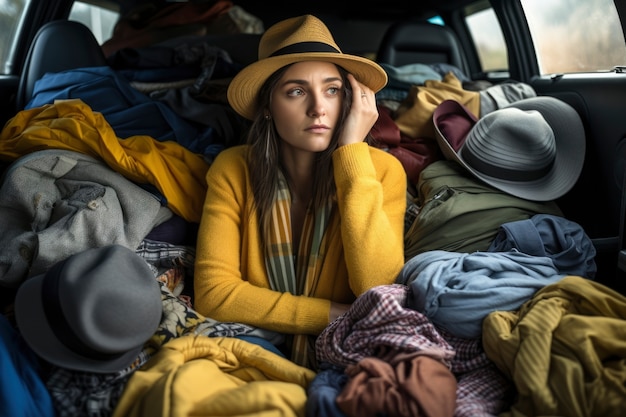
(295, 92)
(333, 90)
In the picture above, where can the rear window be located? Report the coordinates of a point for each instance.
(101, 21)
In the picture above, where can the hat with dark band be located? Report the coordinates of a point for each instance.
(533, 148)
(91, 312)
(302, 38)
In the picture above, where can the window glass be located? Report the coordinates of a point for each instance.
(11, 14)
(575, 35)
(487, 36)
(101, 21)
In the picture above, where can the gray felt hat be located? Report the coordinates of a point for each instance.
(533, 148)
(91, 312)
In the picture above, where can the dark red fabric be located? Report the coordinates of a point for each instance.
(414, 154)
(454, 121)
(385, 130)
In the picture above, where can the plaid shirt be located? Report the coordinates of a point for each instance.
(378, 321)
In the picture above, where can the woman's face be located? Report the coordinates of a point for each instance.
(306, 105)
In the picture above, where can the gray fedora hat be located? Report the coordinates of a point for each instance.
(91, 312)
(533, 148)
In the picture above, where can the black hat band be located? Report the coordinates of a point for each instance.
(501, 172)
(50, 295)
(305, 47)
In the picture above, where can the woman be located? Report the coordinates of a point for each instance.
(306, 216)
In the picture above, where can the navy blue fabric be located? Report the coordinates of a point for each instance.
(323, 391)
(261, 342)
(22, 391)
(128, 111)
(558, 238)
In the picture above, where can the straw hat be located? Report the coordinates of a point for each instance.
(533, 148)
(302, 38)
(91, 312)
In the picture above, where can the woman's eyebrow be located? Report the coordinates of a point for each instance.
(305, 82)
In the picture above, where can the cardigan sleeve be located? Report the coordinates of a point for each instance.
(371, 195)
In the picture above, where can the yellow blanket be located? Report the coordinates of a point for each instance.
(215, 376)
(414, 117)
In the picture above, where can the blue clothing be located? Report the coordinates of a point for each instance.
(401, 79)
(128, 111)
(323, 391)
(560, 239)
(456, 291)
(257, 340)
(22, 391)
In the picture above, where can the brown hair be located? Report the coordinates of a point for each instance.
(264, 154)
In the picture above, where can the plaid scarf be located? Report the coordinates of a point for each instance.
(301, 278)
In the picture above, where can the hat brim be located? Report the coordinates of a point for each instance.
(34, 327)
(569, 135)
(244, 87)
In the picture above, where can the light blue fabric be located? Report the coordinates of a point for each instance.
(401, 79)
(22, 391)
(456, 291)
(405, 76)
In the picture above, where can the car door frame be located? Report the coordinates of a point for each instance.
(595, 202)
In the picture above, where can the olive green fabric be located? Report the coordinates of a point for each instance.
(460, 213)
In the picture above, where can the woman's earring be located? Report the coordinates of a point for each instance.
(268, 138)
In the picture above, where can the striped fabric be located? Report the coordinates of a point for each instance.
(299, 278)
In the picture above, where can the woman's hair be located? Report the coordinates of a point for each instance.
(264, 154)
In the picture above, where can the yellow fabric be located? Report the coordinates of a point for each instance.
(565, 350)
(203, 376)
(71, 125)
(415, 115)
(365, 243)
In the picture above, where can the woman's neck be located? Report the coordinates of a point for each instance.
(299, 175)
(299, 170)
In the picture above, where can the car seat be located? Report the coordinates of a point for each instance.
(57, 46)
(411, 42)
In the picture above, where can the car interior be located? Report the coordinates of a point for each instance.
(408, 42)
(164, 58)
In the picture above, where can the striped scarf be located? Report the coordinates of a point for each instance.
(301, 278)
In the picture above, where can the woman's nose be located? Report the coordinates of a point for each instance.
(317, 107)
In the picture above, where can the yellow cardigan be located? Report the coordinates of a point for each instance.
(365, 242)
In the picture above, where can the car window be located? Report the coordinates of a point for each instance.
(101, 21)
(12, 13)
(487, 36)
(575, 35)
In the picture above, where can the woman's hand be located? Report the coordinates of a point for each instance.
(363, 114)
(336, 310)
